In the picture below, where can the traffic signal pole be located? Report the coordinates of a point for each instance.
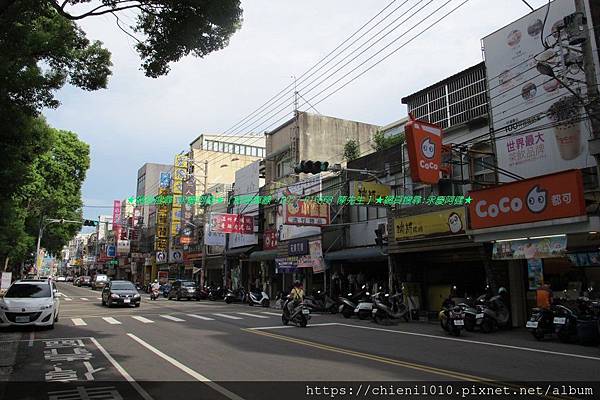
(41, 233)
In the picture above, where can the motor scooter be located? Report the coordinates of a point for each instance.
(495, 314)
(216, 293)
(388, 307)
(348, 304)
(364, 308)
(235, 296)
(452, 319)
(259, 298)
(154, 294)
(299, 315)
(320, 302)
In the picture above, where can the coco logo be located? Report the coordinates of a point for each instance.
(428, 148)
(535, 201)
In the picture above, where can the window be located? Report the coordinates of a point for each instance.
(246, 150)
(221, 147)
(236, 149)
(254, 151)
(262, 152)
(482, 165)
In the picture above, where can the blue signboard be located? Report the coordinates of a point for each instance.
(165, 179)
(111, 251)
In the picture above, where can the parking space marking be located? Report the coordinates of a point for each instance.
(200, 317)
(172, 318)
(194, 374)
(31, 338)
(271, 313)
(142, 319)
(84, 298)
(111, 320)
(251, 315)
(78, 322)
(227, 316)
(122, 371)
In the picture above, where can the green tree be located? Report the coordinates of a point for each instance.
(351, 150)
(381, 142)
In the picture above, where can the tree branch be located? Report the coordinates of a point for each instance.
(124, 31)
(95, 12)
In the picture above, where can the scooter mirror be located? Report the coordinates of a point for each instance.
(318, 291)
(349, 294)
(387, 295)
(364, 286)
(368, 294)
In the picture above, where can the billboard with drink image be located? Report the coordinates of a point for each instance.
(538, 124)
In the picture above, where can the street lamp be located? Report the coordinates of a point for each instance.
(41, 232)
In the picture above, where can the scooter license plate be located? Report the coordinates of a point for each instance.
(305, 311)
(531, 324)
(560, 320)
(479, 315)
(459, 322)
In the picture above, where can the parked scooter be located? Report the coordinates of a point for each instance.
(388, 307)
(348, 304)
(364, 308)
(320, 302)
(452, 319)
(298, 316)
(495, 313)
(202, 293)
(473, 316)
(216, 293)
(235, 296)
(258, 298)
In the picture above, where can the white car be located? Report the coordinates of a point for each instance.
(30, 302)
(61, 279)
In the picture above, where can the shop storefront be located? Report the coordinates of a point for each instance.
(541, 228)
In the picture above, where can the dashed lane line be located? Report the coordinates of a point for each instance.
(142, 319)
(111, 320)
(200, 317)
(252, 315)
(170, 317)
(78, 322)
(227, 316)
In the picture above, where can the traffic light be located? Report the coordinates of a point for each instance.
(311, 167)
(90, 222)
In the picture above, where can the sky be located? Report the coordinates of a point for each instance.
(139, 119)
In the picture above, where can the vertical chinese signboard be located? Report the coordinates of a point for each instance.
(180, 167)
(424, 144)
(117, 219)
(161, 241)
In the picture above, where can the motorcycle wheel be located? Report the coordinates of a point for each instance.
(487, 325)
(563, 336)
(347, 313)
(379, 320)
(456, 332)
(406, 317)
(303, 322)
(284, 320)
(538, 334)
(362, 315)
(265, 303)
(228, 300)
(469, 325)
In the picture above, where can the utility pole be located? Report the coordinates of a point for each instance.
(204, 246)
(592, 84)
(41, 233)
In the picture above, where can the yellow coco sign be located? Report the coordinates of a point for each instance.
(368, 190)
(439, 223)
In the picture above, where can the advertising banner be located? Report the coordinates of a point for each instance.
(269, 240)
(523, 99)
(247, 182)
(286, 231)
(314, 259)
(439, 223)
(546, 197)
(307, 213)
(585, 259)
(117, 218)
(549, 247)
(123, 247)
(161, 257)
(165, 180)
(111, 251)
(213, 238)
(286, 264)
(369, 190)
(535, 273)
(424, 145)
(231, 223)
(161, 241)
(180, 168)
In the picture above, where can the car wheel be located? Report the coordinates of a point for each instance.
(109, 303)
(538, 334)
(137, 304)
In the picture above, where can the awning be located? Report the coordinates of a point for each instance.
(238, 251)
(263, 255)
(358, 254)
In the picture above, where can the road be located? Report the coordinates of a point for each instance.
(236, 351)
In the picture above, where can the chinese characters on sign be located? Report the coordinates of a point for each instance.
(161, 241)
(117, 218)
(231, 223)
(307, 213)
(424, 144)
(447, 222)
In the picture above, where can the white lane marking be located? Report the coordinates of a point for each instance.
(31, 338)
(260, 328)
(173, 318)
(142, 319)
(78, 322)
(68, 299)
(84, 298)
(200, 317)
(271, 313)
(98, 298)
(505, 346)
(227, 316)
(111, 320)
(122, 371)
(196, 375)
(251, 315)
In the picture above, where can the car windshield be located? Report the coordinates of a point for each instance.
(122, 286)
(188, 284)
(28, 290)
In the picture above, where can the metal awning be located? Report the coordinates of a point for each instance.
(358, 254)
(238, 251)
(263, 255)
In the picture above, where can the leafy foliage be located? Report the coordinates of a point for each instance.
(380, 142)
(351, 150)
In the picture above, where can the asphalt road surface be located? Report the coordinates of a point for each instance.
(214, 350)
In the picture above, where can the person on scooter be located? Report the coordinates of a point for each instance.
(297, 295)
(154, 289)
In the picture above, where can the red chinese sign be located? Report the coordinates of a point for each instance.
(231, 223)
(307, 213)
(424, 144)
(270, 240)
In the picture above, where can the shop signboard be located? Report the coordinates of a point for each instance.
(585, 259)
(286, 264)
(424, 145)
(111, 251)
(231, 223)
(213, 238)
(175, 256)
(369, 190)
(123, 247)
(161, 257)
(306, 213)
(180, 169)
(163, 277)
(536, 120)
(549, 247)
(247, 183)
(547, 197)
(165, 179)
(535, 273)
(117, 218)
(440, 223)
(161, 240)
(286, 231)
(298, 247)
(314, 258)
(269, 240)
